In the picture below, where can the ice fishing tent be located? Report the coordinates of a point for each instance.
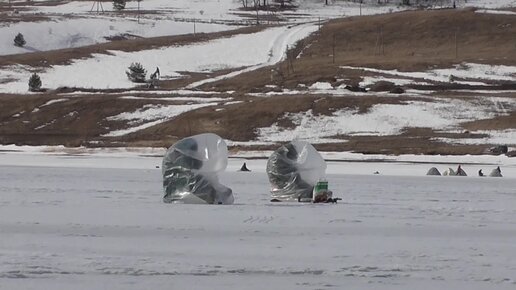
(433, 171)
(293, 170)
(190, 171)
(497, 172)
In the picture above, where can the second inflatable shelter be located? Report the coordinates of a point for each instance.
(293, 170)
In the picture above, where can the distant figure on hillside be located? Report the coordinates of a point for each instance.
(154, 77)
(155, 74)
(497, 172)
(460, 172)
(480, 173)
(244, 168)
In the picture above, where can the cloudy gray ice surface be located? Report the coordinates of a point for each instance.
(88, 227)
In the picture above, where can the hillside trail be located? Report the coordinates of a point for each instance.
(278, 50)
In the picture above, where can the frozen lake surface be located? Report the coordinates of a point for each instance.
(72, 223)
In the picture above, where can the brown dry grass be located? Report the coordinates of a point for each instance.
(412, 41)
(415, 40)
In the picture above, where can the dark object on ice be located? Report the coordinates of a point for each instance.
(397, 90)
(190, 170)
(501, 149)
(293, 170)
(376, 172)
(433, 171)
(480, 173)
(19, 40)
(382, 86)
(460, 172)
(355, 88)
(333, 200)
(327, 200)
(323, 196)
(497, 172)
(275, 200)
(244, 167)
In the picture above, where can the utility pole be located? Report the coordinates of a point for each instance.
(379, 47)
(456, 44)
(100, 8)
(333, 48)
(139, 10)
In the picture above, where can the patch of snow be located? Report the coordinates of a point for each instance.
(369, 81)
(495, 137)
(180, 99)
(244, 50)
(233, 103)
(321, 86)
(465, 70)
(150, 115)
(384, 119)
(491, 4)
(61, 32)
(499, 12)
(278, 45)
(53, 102)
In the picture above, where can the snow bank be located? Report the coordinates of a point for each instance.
(381, 119)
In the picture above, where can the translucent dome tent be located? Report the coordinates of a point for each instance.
(190, 171)
(293, 170)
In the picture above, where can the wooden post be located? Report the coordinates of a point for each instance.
(377, 44)
(456, 44)
(381, 41)
(333, 48)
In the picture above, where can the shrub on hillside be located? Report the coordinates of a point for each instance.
(118, 4)
(34, 83)
(136, 73)
(19, 40)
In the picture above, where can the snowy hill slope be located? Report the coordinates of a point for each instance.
(467, 101)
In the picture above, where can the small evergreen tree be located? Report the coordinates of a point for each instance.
(34, 83)
(118, 4)
(19, 40)
(136, 73)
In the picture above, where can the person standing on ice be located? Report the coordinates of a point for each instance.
(460, 172)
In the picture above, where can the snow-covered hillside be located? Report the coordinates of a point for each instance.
(63, 24)
(78, 23)
(266, 47)
(73, 24)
